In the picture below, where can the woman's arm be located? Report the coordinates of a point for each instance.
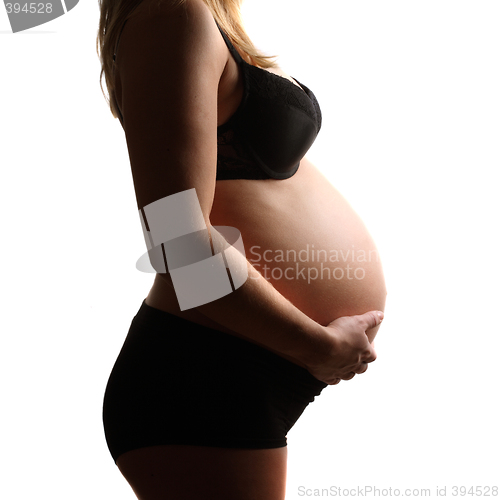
(170, 63)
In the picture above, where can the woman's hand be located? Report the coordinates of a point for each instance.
(348, 351)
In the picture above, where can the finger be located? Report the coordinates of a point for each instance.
(349, 376)
(369, 356)
(362, 369)
(371, 319)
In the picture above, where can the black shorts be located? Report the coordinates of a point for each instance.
(178, 382)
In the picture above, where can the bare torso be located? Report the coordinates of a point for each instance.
(304, 237)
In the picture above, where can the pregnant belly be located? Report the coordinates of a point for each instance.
(306, 240)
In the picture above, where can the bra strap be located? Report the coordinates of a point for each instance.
(230, 46)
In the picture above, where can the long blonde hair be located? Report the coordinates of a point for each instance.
(114, 14)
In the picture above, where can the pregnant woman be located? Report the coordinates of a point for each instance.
(200, 399)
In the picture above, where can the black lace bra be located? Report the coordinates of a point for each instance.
(274, 126)
(272, 129)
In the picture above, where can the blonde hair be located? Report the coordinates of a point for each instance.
(114, 14)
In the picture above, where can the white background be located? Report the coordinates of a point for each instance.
(411, 107)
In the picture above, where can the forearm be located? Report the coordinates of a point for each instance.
(257, 311)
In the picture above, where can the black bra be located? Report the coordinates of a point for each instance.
(272, 129)
(274, 126)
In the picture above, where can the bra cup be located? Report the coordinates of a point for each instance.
(277, 136)
(272, 129)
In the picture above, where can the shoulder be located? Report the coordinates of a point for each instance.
(165, 27)
(188, 12)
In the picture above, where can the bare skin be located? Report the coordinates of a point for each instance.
(204, 473)
(272, 216)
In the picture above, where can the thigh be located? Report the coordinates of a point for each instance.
(180, 472)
